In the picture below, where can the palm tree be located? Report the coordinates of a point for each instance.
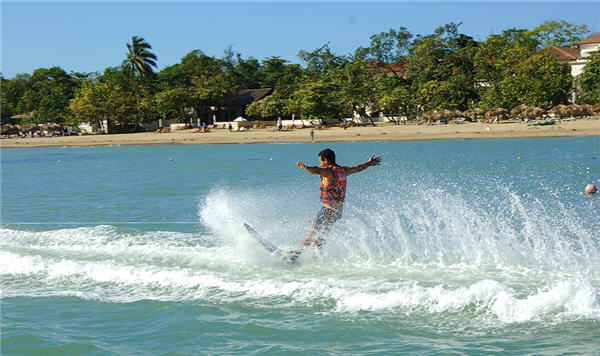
(139, 59)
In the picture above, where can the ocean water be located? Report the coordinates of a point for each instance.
(449, 247)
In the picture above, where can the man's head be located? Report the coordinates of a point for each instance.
(326, 158)
(591, 189)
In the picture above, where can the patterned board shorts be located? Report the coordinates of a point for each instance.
(324, 221)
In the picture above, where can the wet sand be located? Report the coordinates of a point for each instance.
(385, 132)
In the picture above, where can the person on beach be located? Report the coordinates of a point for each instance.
(333, 193)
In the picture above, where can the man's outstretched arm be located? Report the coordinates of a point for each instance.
(373, 161)
(323, 172)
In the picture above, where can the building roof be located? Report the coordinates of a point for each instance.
(248, 96)
(380, 67)
(564, 53)
(595, 38)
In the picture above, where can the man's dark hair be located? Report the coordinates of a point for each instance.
(327, 155)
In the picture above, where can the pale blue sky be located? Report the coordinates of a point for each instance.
(90, 36)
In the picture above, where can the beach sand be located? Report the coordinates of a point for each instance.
(381, 132)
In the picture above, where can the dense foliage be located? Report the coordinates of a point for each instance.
(398, 73)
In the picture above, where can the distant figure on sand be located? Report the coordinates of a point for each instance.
(591, 189)
(333, 193)
(312, 135)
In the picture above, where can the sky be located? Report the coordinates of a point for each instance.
(86, 37)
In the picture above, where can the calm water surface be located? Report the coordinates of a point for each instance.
(448, 247)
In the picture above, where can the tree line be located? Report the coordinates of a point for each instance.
(398, 74)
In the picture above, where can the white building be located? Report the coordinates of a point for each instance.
(585, 46)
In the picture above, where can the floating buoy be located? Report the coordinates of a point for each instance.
(170, 159)
(270, 159)
(519, 157)
(59, 161)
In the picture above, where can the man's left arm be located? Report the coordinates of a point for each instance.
(373, 161)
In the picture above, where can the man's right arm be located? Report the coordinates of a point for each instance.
(323, 172)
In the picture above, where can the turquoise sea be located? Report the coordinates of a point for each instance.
(449, 247)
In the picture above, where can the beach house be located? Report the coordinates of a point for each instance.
(585, 48)
(237, 103)
(576, 56)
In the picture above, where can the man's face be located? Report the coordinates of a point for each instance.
(323, 163)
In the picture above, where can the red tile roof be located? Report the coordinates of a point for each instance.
(563, 53)
(595, 38)
(380, 67)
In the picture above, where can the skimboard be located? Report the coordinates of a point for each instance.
(290, 258)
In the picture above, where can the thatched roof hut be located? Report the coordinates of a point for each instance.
(573, 110)
(496, 113)
(447, 114)
(558, 110)
(587, 109)
(519, 110)
(473, 113)
(431, 115)
(8, 129)
(533, 113)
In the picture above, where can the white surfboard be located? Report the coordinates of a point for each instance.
(290, 258)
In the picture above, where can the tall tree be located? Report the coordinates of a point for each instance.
(386, 49)
(589, 81)
(140, 60)
(440, 68)
(559, 33)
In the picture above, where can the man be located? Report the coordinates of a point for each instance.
(333, 193)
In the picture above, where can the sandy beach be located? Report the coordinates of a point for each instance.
(385, 132)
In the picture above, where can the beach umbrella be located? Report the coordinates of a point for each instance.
(472, 113)
(572, 110)
(28, 127)
(519, 110)
(533, 112)
(430, 115)
(558, 110)
(447, 114)
(240, 119)
(587, 109)
(496, 113)
(8, 129)
(477, 112)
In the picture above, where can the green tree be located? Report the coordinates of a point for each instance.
(12, 94)
(283, 78)
(139, 60)
(387, 48)
(559, 33)
(356, 87)
(316, 100)
(244, 73)
(46, 93)
(172, 103)
(539, 80)
(320, 63)
(441, 68)
(109, 98)
(589, 81)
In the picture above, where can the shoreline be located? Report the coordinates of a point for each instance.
(385, 132)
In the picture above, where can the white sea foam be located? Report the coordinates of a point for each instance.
(442, 253)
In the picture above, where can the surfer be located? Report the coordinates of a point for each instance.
(333, 193)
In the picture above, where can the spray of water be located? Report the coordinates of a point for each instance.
(510, 257)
